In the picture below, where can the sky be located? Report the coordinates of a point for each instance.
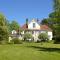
(19, 10)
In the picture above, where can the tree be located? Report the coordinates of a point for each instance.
(4, 34)
(43, 36)
(14, 25)
(56, 19)
(44, 21)
(56, 5)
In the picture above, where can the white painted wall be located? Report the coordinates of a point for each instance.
(30, 25)
(43, 31)
(50, 35)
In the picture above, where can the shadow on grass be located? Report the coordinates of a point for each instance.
(45, 49)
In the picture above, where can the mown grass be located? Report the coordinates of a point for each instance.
(30, 51)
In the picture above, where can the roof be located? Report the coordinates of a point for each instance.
(45, 27)
(24, 27)
(42, 27)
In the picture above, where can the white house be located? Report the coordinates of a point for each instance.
(35, 29)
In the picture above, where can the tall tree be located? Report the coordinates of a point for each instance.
(56, 5)
(56, 16)
(3, 28)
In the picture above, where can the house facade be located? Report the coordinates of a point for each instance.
(35, 29)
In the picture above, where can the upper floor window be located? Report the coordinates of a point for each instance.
(33, 25)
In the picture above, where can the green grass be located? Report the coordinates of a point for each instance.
(30, 51)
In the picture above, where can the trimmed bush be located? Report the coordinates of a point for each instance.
(16, 41)
(43, 36)
(28, 37)
(3, 42)
(50, 41)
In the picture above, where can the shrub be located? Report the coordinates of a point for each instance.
(16, 41)
(50, 41)
(27, 36)
(57, 41)
(43, 36)
(3, 42)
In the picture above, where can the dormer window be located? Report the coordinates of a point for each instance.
(33, 25)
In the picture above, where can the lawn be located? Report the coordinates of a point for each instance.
(30, 51)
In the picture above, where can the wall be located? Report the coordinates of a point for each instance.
(50, 35)
(30, 25)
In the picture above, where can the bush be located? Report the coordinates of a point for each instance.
(57, 41)
(43, 36)
(28, 36)
(3, 42)
(50, 41)
(16, 41)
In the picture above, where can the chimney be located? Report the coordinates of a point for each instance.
(27, 23)
(37, 20)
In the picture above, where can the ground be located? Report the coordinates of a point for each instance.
(30, 51)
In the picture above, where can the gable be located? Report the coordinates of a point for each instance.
(33, 25)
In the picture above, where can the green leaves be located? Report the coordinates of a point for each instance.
(56, 5)
(43, 36)
(14, 25)
(27, 36)
(3, 28)
(44, 21)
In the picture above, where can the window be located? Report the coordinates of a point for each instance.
(33, 25)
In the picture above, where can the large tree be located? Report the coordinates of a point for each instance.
(3, 28)
(56, 17)
(56, 5)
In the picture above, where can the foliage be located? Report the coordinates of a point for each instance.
(16, 41)
(55, 16)
(54, 20)
(3, 33)
(50, 41)
(3, 28)
(27, 36)
(14, 25)
(44, 21)
(56, 5)
(43, 36)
